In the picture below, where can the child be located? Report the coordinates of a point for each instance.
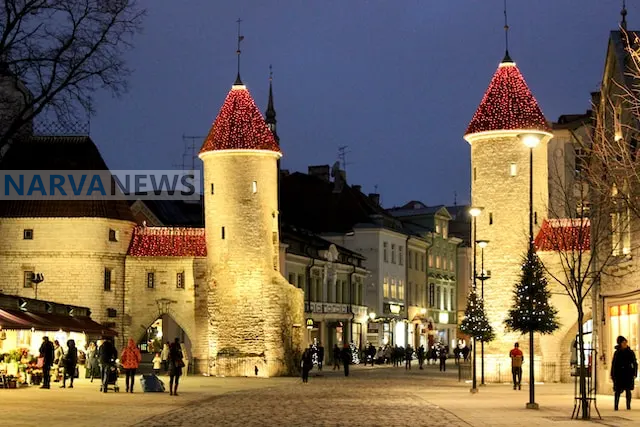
(157, 361)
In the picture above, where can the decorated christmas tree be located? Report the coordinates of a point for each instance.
(475, 322)
(531, 310)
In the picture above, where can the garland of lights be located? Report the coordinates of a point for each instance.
(475, 322)
(564, 235)
(168, 241)
(508, 104)
(239, 126)
(531, 310)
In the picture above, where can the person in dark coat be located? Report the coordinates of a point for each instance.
(421, 355)
(346, 359)
(624, 370)
(307, 364)
(69, 362)
(442, 355)
(408, 357)
(107, 354)
(176, 363)
(47, 354)
(336, 357)
(320, 356)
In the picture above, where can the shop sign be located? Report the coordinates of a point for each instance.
(394, 308)
(309, 323)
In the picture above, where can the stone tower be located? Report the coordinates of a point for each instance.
(500, 185)
(255, 315)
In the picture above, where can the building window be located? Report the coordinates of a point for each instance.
(385, 255)
(432, 296)
(490, 218)
(254, 187)
(212, 189)
(474, 174)
(400, 289)
(409, 258)
(292, 279)
(451, 297)
(437, 261)
(151, 280)
(445, 230)
(623, 320)
(438, 227)
(415, 260)
(28, 279)
(339, 290)
(621, 233)
(393, 253)
(222, 233)
(401, 255)
(438, 297)
(386, 289)
(113, 235)
(394, 289)
(430, 260)
(422, 261)
(513, 169)
(107, 279)
(301, 281)
(180, 280)
(27, 234)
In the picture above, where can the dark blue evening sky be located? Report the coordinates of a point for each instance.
(396, 81)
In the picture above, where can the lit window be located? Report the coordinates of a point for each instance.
(254, 187)
(386, 289)
(513, 169)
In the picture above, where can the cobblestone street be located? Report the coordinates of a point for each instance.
(380, 396)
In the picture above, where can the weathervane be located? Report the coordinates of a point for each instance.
(238, 52)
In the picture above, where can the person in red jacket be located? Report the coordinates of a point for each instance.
(130, 360)
(516, 365)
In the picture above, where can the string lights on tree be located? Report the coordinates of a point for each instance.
(508, 104)
(531, 310)
(239, 125)
(475, 322)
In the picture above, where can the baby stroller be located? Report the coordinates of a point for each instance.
(112, 378)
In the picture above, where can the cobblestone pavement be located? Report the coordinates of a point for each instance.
(380, 396)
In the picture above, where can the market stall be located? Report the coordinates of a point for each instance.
(23, 324)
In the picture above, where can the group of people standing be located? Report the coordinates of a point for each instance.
(101, 359)
(343, 355)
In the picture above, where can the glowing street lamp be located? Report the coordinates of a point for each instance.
(475, 212)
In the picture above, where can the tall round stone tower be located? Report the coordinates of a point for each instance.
(255, 316)
(507, 118)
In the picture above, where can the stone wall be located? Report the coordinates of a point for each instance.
(72, 254)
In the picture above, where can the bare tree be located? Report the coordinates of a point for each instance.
(55, 53)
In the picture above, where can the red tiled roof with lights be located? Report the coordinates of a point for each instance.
(565, 234)
(239, 125)
(508, 104)
(168, 241)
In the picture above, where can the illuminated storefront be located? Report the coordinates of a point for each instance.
(623, 320)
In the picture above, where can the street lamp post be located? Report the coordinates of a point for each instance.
(36, 279)
(475, 212)
(483, 244)
(531, 141)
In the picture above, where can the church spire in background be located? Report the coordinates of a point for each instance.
(238, 52)
(623, 12)
(507, 58)
(270, 114)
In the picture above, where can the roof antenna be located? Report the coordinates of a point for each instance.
(623, 12)
(238, 52)
(507, 58)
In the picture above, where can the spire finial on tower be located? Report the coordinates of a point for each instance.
(507, 58)
(623, 12)
(270, 114)
(238, 52)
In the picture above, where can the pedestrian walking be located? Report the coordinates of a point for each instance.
(307, 364)
(320, 356)
(69, 363)
(421, 355)
(624, 370)
(164, 355)
(57, 360)
(517, 359)
(47, 353)
(157, 364)
(130, 360)
(346, 359)
(442, 355)
(107, 354)
(408, 357)
(91, 364)
(176, 363)
(336, 357)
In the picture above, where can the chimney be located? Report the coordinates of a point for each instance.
(322, 172)
(357, 188)
(375, 198)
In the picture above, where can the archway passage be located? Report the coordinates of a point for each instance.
(163, 330)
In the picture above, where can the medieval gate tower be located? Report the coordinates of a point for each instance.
(500, 186)
(255, 315)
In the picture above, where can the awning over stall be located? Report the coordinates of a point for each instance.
(16, 319)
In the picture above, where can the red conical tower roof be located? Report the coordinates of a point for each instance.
(508, 104)
(239, 125)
